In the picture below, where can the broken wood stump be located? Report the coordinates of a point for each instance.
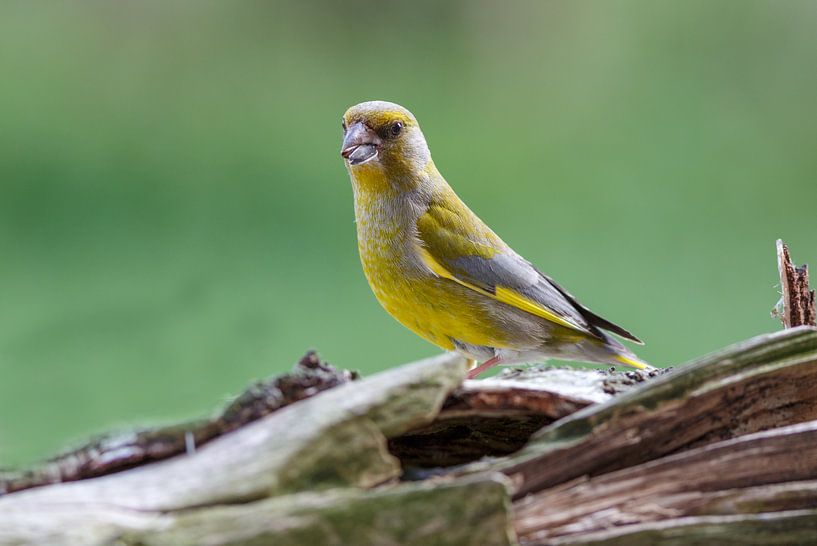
(797, 298)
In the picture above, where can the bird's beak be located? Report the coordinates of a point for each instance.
(360, 144)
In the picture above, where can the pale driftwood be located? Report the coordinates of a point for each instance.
(224, 495)
(774, 470)
(768, 381)
(797, 298)
(467, 512)
(333, 440)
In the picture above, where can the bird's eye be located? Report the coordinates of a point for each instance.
(343, 124)
(396, 127)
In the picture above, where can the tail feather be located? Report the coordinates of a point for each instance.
(604, 324)
(591, 317)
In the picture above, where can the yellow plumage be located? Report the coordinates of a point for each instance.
(444, 274)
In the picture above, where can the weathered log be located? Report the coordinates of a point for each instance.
(225, 493)
(500, 414)
(318, 471)
(333, 440)
(724, 478)
(768, 381)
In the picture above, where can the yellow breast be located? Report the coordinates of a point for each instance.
(435, 308)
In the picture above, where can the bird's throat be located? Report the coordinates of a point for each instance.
(370, 178)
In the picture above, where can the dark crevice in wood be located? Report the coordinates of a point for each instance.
(492, 418)
(460, 440)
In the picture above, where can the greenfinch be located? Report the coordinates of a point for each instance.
(444, 274)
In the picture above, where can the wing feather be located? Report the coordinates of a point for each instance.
(479, 260)
(456, 245)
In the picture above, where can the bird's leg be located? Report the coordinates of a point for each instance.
(484, 366)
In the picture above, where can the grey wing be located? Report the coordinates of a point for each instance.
(509, 270)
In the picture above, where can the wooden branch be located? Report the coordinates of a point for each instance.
(797, 298)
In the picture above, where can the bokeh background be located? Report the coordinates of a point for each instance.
(175, 220)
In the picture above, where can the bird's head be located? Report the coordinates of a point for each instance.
(383, 140)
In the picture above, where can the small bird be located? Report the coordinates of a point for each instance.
(441, 272)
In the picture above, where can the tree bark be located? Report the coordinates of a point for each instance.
(768, 381)
(771, 471)
(720, 449)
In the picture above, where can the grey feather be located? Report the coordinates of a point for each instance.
(510, 270)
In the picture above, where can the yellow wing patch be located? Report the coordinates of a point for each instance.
(505, 295)
(637, 364)
(511, 297)
(435, 266)
(438, 269)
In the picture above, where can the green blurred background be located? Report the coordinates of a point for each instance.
(175, 220)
